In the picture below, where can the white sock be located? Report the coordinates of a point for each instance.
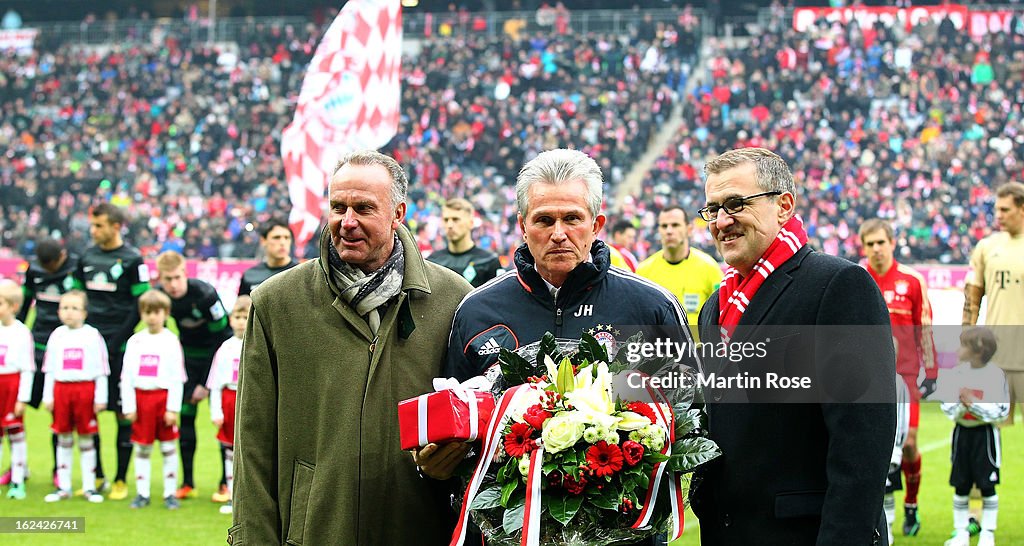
(87, 451)
(19, 457)
(143, 469)
(989, 512)
(170, 453)
(229, 468)
(64, 460)
(960, 513)
(889, 505)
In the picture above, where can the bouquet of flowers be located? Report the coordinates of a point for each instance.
(567, 462)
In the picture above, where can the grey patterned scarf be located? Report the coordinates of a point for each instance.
(366, 293)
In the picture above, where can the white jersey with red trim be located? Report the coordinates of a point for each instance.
(153, 362)
(17, 356)
(78, 354)
(223, 374)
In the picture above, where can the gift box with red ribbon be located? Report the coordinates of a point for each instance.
(446, 416)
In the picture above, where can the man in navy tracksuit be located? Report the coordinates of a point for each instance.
(562, 284)
(519, 308)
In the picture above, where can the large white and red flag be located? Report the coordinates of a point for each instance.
(349, 101)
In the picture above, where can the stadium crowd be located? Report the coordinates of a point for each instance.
(186, 136)
(915, 127)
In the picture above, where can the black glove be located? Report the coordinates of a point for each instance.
(927, 388)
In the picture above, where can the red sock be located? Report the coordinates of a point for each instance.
(912, 474)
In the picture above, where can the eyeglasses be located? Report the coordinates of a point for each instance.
(731, 205)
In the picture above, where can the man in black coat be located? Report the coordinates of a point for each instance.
(804, 464)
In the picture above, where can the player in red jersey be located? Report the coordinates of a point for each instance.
(906, 296)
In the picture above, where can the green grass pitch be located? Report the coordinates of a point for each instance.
(198, 522)
(935, 501)
(113, 522)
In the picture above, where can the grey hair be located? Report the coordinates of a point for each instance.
(558, 167)
(770, 171)
(399, 181)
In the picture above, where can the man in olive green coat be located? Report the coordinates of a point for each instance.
(331, 347)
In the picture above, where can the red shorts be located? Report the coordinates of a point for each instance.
(8, 398)
(73, 408)
(226, 434)
(150, 407)
(915, 397)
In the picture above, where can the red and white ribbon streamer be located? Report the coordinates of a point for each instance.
(666, 419)
(495, 427)
(675, 490)
(532, 510)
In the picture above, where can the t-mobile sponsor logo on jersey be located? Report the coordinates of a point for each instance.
(149, 365)
(73, 358)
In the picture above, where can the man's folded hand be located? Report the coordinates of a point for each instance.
(440, 461)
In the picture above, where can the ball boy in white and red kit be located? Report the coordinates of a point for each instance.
(223, 384)
(152, 379)
(906, 297)
(75, 390)
(17, 370)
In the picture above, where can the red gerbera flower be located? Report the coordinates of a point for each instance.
(535, 416)
(605, 459)
(642, 409)
(632, 452)
(518, 441)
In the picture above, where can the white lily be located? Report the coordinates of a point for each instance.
(592, 397)
(632, 421)
(551, 367)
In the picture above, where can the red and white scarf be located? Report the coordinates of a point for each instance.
(735, 292)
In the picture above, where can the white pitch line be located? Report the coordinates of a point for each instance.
(938, 444)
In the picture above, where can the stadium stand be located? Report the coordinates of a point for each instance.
(916, 127)
(912, 126)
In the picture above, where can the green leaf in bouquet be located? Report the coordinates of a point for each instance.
(571, 457)
(549, 467)
(506, 491)
(591, 349)
(617, 367)
(564, 507)
(606, 499)
(547, 347)
(643, 481)
(503, 472)
(687, 421)
(655, 457)
(689, 453)
(488, 498)
(620, 357)
(566, 380)
(512, 521)
(514, 368)
(633, 471)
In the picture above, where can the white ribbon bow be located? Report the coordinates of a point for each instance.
(465, 392)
